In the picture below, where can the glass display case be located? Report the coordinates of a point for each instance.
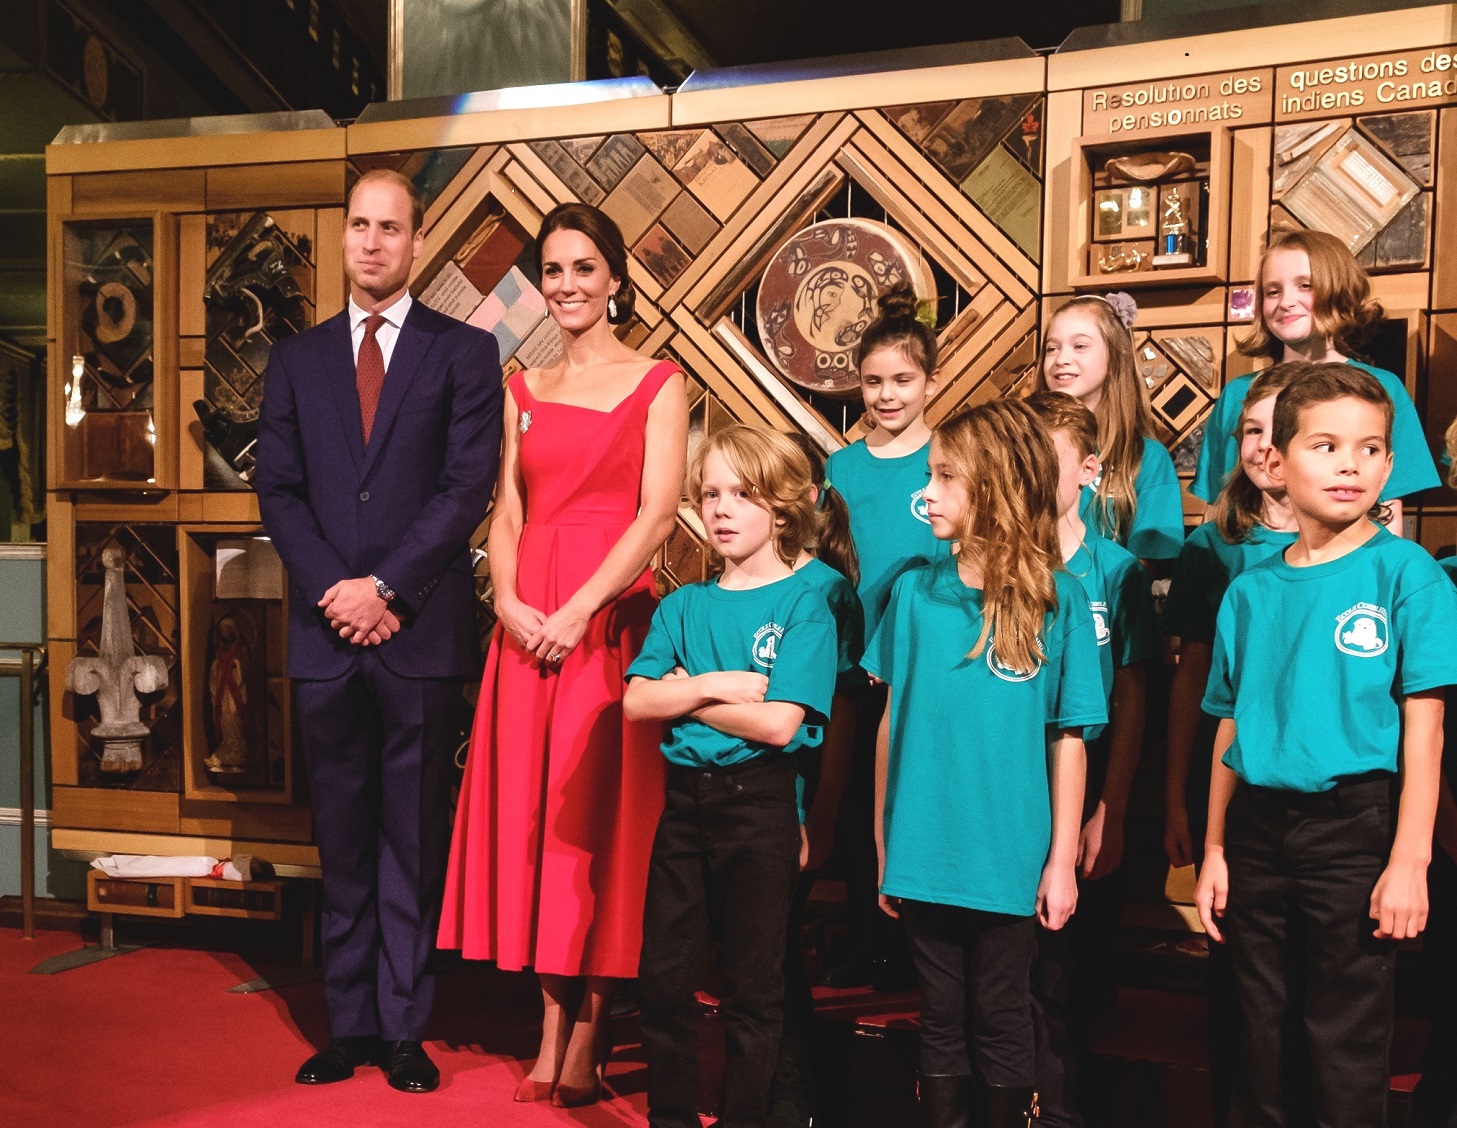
(109, 401)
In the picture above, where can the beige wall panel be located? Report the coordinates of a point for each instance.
(272, 823)
(199, 152)
(191, 353)
(190, 441)
(1249, 190)
(58, 203)
(278, 185)
(1062, 124)
(105, 809)
(330, 292)
(1252, 47)
(60, 570)
(191, 275)
(62, 736)
(847, 92)
(1444, 261)
(232, 507)
(1402, 291)
(1441, 397)
(1162, 309)
(580, 120)
(113, 192)
(156, 508)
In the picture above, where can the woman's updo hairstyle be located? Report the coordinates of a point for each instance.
(606, 236)
(899, 326)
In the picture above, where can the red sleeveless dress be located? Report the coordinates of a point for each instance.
(561, 796)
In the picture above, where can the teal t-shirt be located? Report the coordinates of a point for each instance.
(1206, 566)
(888, 521)
(844, 604)
(1158, 517)
(1449, 565)
(968, 816)
(1411, 465)
(782, 630)
(1120, 598)
(1311, 663)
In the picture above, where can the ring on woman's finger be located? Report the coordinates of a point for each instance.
(554, 656)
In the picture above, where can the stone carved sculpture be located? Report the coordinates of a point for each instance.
(117, 675)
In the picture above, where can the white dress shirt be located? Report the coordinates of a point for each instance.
(387, 334)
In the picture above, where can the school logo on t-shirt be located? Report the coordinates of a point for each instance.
(918, 507)
(1100, 621)
(1006, 673)
(1362, 631)
(766, 644)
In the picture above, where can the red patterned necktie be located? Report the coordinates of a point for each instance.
(369, 372)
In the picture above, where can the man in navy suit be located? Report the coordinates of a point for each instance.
(378, 445)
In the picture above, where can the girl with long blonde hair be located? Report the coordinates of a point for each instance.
(977, 823)
(1087, 353)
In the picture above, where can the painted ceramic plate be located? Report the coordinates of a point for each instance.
(819, 293)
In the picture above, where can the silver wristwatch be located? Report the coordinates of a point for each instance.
(386, 592)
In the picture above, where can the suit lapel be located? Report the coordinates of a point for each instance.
(410, 349)
(339, 367)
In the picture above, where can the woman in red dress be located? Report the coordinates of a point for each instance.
(561, 796)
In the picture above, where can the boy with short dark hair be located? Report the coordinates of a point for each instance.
(1328, 672)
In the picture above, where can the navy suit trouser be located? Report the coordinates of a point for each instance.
(379, 749)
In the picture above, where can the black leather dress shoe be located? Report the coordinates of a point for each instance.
(338, 1060)
(409, 1068)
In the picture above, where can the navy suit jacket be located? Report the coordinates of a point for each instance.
(403, 508)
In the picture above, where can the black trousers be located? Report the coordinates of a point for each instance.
(975, 970)
(1070, 982)
(724, 865)
(1434, 1102)
(1301, 871)
(871, 931)
(379, 750)
(1075, 975)
(793, 1089)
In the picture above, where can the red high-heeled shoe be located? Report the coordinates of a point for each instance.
(530, 1090)
(568, 1096)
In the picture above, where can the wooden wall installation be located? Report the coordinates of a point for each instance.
(991, 160)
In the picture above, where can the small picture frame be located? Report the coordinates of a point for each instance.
(1108, 209)
(1138, 212)
(1242, 303)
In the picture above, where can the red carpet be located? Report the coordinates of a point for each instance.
(155, 1038)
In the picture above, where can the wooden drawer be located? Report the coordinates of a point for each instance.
(246, 900)
(155, 896)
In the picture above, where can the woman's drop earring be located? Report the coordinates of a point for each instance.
(611, 308)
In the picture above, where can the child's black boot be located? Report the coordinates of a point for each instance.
(946, 1100)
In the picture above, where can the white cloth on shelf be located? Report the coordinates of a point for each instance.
(152, 865)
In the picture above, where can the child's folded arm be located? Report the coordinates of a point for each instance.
(663, 699)
(764, 722)
(677, 694)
